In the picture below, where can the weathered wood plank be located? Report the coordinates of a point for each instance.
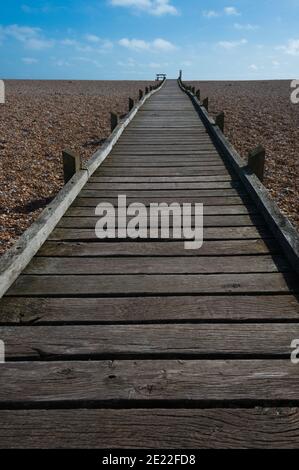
(144, 284)
(159, 179)
(208, 210)
(166, 171)
(208, 201)
(164, 164)
(161, 186)
(227, 308)
(158, 265)
(209, 221)
(188, 382)
(258, 428)
(254, 340)
(216, 248)
(210, 233)
(189, 193)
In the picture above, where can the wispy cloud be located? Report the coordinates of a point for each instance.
(232, 44)
(291, 48)
(228, 11)
(31, 38)
(231, 11)
(29, 60)
(246, 27)
(210, 13)
(159, 45)
(153, 7)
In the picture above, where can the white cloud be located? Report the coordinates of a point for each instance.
(291, 48)
(96, 40)
(210, 14)
(158, 44)
(30, 37)
(29, 60)
(89, 61)
(253, 67)
(275, 63)
(231, 11)
(232, 44)
(153, 7)
(246, 27)
(69, 42)
(92, 38)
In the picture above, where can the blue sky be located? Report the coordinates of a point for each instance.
(134, 39)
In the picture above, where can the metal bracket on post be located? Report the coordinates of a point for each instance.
(256, 161)
(205, 103)
(71, 164)
(219, 121)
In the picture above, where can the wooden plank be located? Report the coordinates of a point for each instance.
(123, 248)
(124, 341)
(159, 179)
(208, 201)
(166, 171)
(162, 186)
(222, 428)
(237, 308)
(164, 164)
(144, 284)
(158, 265)
(208, 210)
(160, 194)
(175, 381)
(209, 221)
(210, 233)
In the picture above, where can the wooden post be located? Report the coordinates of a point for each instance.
(193, 90)
(151, 88)
(205, 103)
(256, 161)
(71, 164)
(113, 121)
(220, 121)
(140, 94)
(146, 90)
(198, 95)
(180, 75)
(131, 104)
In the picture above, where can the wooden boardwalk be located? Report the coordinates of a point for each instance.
(125, 343)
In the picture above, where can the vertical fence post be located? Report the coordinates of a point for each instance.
(146, 90)
(71, 164)
(198, 95)
(256, 161)
(113, 121)
(140, 94)
(131, 104)
(205, 103)
(220, 121)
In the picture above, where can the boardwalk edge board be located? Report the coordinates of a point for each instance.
(16, 259)
(279, 224)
